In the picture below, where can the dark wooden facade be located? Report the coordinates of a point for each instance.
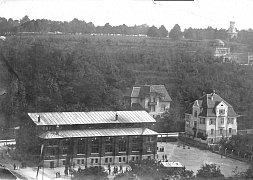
(100, 150)
(125, 137)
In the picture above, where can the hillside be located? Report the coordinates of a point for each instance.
(90, 72)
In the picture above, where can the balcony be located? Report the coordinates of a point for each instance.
(152, 103)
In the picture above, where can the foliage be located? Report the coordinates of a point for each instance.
(151, 169)
(175, 33)
(91, 173)
(153, 32)
(85, 72)
(209, 171)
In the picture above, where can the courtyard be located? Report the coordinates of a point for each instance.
(193, 158)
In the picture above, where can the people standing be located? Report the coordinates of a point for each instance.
(14, 166)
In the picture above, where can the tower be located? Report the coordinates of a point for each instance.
(232, 34)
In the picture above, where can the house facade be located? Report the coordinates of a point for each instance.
(210, 118)
(153, 98)
(91, 138)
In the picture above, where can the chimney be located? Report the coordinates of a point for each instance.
(116, 117)
(212, 95)
(57, 129)
(38, 118)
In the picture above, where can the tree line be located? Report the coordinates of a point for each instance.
(10, 26)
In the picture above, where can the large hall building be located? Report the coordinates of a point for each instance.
(89, 138)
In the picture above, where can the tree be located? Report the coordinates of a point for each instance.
(209, 171)
(163, 31)
(176, 33)
(24, 19)
(153, 32)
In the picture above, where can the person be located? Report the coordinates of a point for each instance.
(79, 169)
(121, 168)
(165, 157)
(66, 171)
(109, 168)
(109, 171)
(14, 166)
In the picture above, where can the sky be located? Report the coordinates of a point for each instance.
(195, 14)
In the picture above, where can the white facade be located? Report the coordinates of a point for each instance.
(215, 127)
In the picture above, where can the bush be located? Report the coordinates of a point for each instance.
(210, 171)
(91, 173)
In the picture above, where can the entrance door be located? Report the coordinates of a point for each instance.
(51, 164)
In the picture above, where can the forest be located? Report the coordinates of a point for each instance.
(86, 73)
(83, 72)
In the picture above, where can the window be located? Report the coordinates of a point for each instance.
(64, 146)
(230, 130)
(52, 152)
(211, 121)
(195, 124)
(221, 112)
(221, 131)
(81, 146)
(230, 120)
(64, 150)
(52, 142)
(149, 157)
(222, 120)
(108, 144)
(195, 114)
(152, 108)
(132, 158)
(96, 160)
(149, 148)
(78, 161)
(119, 159)
(106, 160)
(82, 161)
(124, 159)
(163, 107)
(150, 139)
(122, 144)
(212, 131)
(94, 145)
(202, 121)
(137, 158)
(63, 162)
(110, 159)
(92, 161)
(136, 143)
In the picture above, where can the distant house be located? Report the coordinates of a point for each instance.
(210, 118)
(88, 138)
(153, 98)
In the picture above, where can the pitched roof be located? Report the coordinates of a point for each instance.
(96, 117)
(208, 103)
(97, 133)
(145, 90)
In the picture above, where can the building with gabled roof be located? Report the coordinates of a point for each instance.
(210, 118)
(89, 138)
(153, 98)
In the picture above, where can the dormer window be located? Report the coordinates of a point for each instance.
(221, 111)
